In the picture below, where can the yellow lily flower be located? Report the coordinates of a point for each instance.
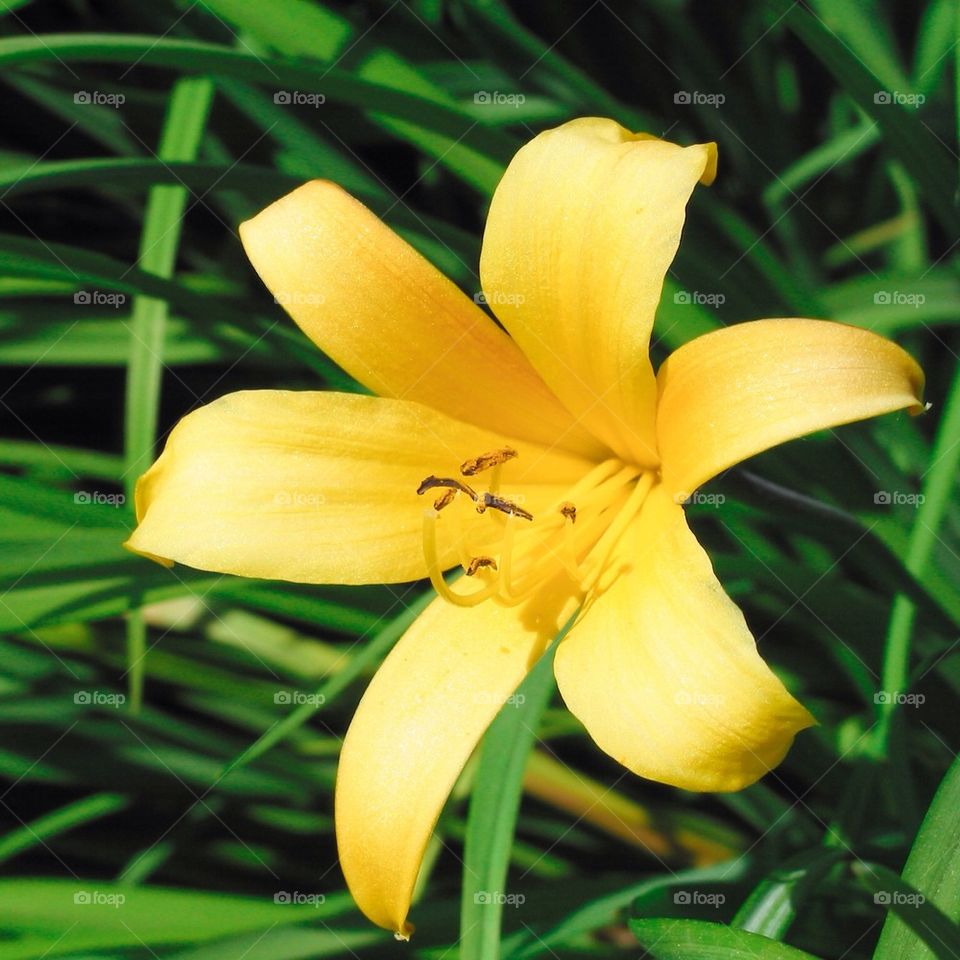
(552, 463)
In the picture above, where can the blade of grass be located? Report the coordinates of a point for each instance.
(939, 484)
(180, 141)
(74, 814)
(493, 811)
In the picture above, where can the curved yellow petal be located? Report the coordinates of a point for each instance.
(415, 728)
(316, 487)
(581, 231)
(663, 672)
(737, 391)
(393, 321)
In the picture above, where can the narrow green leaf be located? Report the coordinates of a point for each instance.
(700, 940)
(939, 933)
(932, 869)
(772, 906)
(493, 811)
(74, 814)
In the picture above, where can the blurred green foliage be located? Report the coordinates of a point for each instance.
(168, 739)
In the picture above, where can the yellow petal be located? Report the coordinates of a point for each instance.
(393, 321)
(418, 722)
(316, 487)
(581, 231)
(737, 391)
(663, 672)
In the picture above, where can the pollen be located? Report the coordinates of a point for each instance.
(477, 562)
(485, 461)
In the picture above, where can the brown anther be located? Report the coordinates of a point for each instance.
(569, 511)
(485, 461)
(429, 483)
(477, 562)
(444, 500)
(503, 505)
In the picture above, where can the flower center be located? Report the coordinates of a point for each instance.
(511, 550)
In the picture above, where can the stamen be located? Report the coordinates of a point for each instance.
(477, 562)
(444, 500)
(429, 483)
(470, 468)
(569, 511)
(435, 571)
(601, 553)
(502, 504)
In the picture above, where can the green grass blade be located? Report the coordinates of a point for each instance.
(180, 140)
(59, 821)
(925, 921)
(493, 812)
(939, 484)
(700, 940)
(933, 869)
